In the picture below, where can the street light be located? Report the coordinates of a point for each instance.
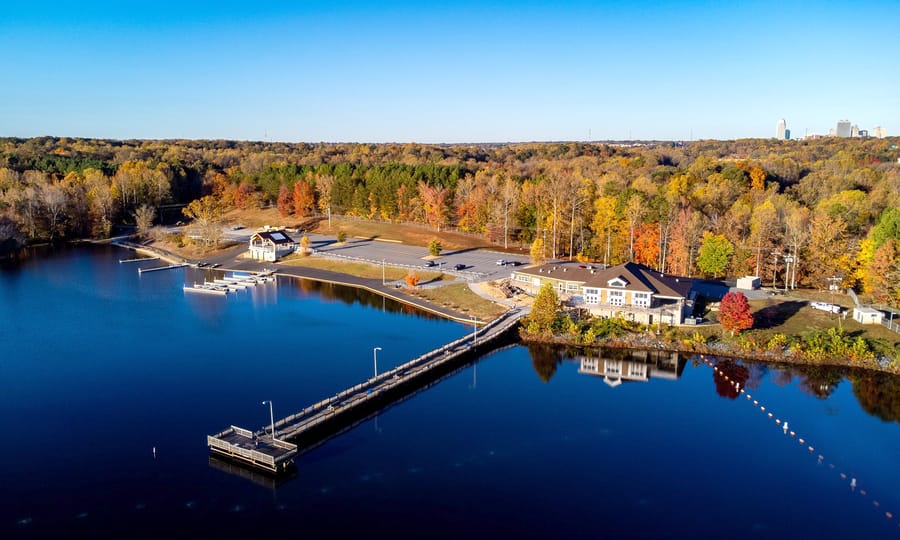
(375, 355)
(271, 417)
(475, 326)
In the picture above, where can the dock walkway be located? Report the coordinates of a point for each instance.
(319, 420)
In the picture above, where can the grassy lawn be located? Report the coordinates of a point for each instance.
(413, 235)
(791, 315)
(361, 269)
(460, 298)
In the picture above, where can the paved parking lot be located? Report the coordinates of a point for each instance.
(477, 264)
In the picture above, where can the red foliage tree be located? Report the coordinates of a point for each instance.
(734, 313)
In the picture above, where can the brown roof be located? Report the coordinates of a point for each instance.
(642, 278)
(637, 276)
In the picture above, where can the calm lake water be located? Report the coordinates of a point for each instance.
(99, 365)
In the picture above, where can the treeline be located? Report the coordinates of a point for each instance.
(792, 212)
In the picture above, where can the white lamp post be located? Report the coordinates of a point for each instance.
(271, 417)
(475, 327)
(375, 355)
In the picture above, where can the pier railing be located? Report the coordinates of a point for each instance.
(356, 401)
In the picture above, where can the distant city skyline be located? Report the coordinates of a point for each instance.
(445, 72)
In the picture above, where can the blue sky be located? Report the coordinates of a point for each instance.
(437, 71)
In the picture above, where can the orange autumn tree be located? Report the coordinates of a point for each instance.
(646, 245)
(304, 199)
(734, 313)
(412, 279)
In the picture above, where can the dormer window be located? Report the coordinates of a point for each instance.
(617, 282)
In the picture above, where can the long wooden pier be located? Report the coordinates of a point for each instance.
(316, 423)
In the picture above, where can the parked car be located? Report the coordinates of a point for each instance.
(459, 267)
(824, 306)
(429, 264)
(502, 262)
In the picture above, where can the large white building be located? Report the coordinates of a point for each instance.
(879, 132)
(781, 131)
(631, 291)
(843, 128)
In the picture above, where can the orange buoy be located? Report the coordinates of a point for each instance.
(793, 433)
(811, 449)
(800, 441)
(889, 515)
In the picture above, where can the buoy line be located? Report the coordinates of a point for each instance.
(793, 434)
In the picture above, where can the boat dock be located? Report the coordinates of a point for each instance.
(235, 282)
(323, 419)
(158, 268)
(138, 259)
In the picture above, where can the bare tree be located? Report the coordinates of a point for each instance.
(143, 218)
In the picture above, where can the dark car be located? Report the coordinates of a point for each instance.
(459, 267)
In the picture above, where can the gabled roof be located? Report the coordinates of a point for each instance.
(642, 279)
(276, 237)
(637, 277)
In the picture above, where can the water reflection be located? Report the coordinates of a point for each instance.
(632, 366)
(350, 295)
(615, 366)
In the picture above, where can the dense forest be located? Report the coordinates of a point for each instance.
(799, 212)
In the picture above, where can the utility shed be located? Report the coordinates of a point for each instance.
(748, 283)
(867, 315)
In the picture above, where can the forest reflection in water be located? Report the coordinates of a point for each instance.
(877, 393)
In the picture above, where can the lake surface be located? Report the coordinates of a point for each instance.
(99, 365)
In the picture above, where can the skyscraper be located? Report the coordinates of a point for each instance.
(843, 128)
(781, 130)
(879, 132)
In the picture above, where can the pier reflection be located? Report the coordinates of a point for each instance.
(255, 476)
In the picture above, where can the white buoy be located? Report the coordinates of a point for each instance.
(853, 483)
(785, 425)
(154, 452)
(800, 441)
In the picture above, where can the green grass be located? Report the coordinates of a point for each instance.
(360, 269)
(461, 299)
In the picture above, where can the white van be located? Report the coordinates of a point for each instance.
(825, 307)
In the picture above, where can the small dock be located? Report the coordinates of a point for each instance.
(138, 259)
(158, 268)
(321, 420)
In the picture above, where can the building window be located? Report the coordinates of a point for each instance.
(592, 296)
(641, 299)
(616, 298)
(571, 286)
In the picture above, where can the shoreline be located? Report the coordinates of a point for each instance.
(762, 357)
(332, 278)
